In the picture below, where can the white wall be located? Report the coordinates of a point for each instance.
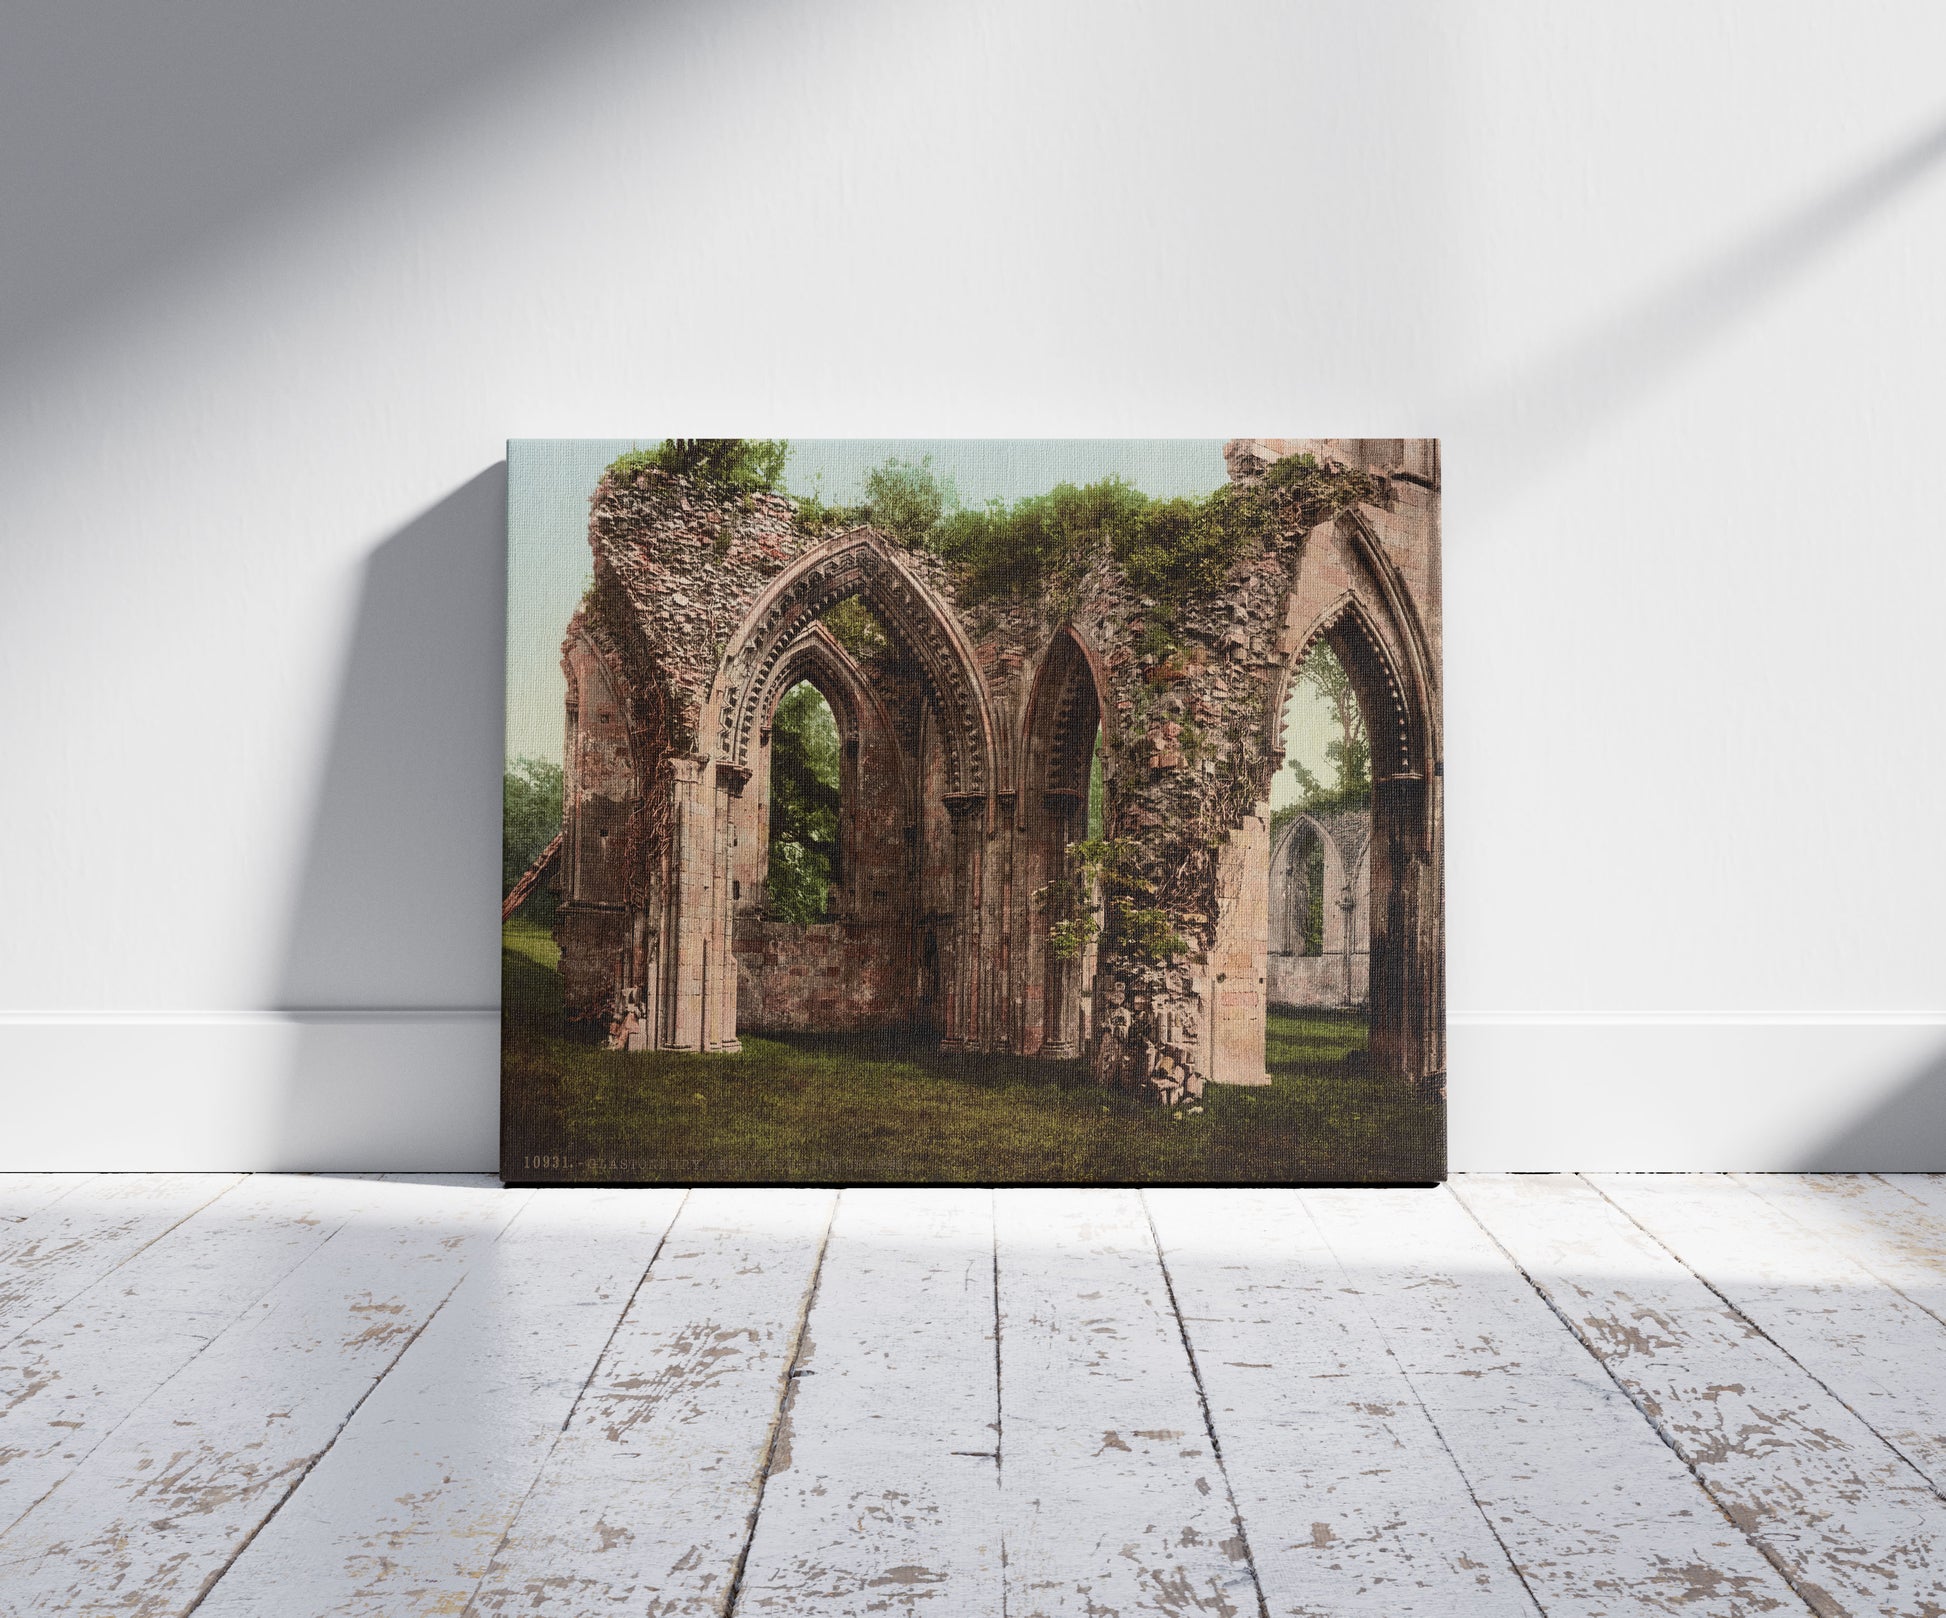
(279, 281)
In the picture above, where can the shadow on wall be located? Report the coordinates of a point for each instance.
(1905, 1133)
(1558, 405)
(391, 962)
(133, 135)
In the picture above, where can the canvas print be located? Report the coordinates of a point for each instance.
(973, 812)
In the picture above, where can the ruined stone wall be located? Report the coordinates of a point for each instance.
(856, 970)
(831, 977)
(1338, 974)
(715, 595)
(1334, 982)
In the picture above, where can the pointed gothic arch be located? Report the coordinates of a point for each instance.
(1065, 712)
(1348, 593)
(860, 564)
(865, 731)
(1335, 973)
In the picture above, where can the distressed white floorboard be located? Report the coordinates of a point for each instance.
(884, 1492)
(1878, 1352)
(1894, 1224)
(1929, 1189)
(645, 1504)
(1599, 1516)
(154, 1514)
(1851, 1521)
(1351, 1503)
(292, 1396)
(1112, 1499)
(69, 1380)
(66, 1245)
(22, 1194)
(405, 1511)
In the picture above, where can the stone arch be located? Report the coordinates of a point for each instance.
(1337, 972)
(864, 726)
(1345, 590)
(1286, 907)
(601, 775)
(1349, 594)
(1393, 709)
(858, 564)
(1065, 710)
(1065, 704)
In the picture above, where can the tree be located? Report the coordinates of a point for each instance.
(907, 498)
(804, 806)
(1352, 751)
(530, 815)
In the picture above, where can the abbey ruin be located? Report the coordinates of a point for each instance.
(968, 901)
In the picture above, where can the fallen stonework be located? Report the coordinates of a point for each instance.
(970, 904)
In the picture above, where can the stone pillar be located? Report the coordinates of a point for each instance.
(1238, 957)
(642, 981)
(687, 910)
(721, 1034)
(1061, 978)
(1000, 1029)
(1408, 991)
(960, 1029)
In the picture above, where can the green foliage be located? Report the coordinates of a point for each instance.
(1350, 753)
(1185, 547)
(1012, 550)
(798, 886)
(742, 464)
(904, 498)
(530, 815)
(907, 499)
(854, 627)
(1146, 931)
(816, 518)
(1097, 792)
(878, 1109)
(1313, 897)
(1169, 550)
(804, 806)
(1155, 642)
(1069, 936)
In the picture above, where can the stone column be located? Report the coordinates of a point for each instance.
(961, 993)
(1060, 978)
(998, 993)
(686, 915)
(721, 1034)
(1239, 957)
(1407, 984)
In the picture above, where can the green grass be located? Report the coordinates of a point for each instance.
(865, 1109)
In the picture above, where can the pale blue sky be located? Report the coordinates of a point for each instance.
(550, 480)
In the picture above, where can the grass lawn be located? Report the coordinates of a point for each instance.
(860, 1110)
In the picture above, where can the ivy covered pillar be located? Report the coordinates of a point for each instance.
(1063, 820)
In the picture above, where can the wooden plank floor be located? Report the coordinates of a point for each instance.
(1521, 1395)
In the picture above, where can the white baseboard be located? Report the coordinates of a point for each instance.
(419, 1090)
(1687, 1092)
(251, 1090)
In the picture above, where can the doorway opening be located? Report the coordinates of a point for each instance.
(1318, 977)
